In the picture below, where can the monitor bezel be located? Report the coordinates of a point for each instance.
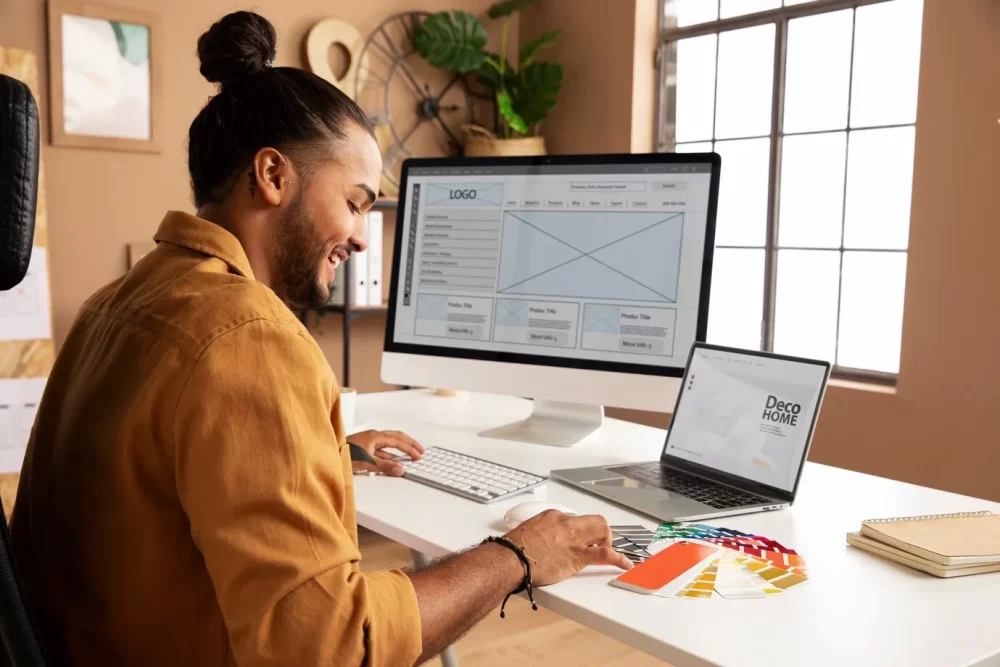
(735, 480)
(713, 159)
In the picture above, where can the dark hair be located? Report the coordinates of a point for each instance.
(257, 106)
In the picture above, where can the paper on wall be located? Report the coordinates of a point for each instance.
(24, 310)
(19, 399)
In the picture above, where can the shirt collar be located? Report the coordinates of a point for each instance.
(188, 231)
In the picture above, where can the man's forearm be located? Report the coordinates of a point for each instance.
(459, 591)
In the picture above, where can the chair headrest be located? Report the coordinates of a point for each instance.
(18, 179)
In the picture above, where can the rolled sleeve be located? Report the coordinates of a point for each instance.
(392, 604)
(261, 476)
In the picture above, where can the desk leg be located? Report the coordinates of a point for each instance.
(448, 658)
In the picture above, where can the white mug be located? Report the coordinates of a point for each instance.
(348, 407)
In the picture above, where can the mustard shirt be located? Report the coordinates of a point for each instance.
(186, 497)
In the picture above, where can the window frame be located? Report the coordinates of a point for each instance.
(666, 61)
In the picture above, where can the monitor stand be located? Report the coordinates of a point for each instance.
(552, 423)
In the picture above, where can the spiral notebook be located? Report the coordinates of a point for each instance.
(942, 544)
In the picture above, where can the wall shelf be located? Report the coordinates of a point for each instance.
(360, 310)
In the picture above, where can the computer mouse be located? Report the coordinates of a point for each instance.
(520, 513)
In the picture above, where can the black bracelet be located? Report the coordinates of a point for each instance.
(526, 583)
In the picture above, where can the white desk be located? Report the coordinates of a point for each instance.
(856, 609)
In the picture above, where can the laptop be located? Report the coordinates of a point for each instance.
(740, 434)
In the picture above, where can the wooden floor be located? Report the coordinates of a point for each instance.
(524, 638)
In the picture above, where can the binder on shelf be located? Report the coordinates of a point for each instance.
(374, 252)
(359, 278)
(337, 289)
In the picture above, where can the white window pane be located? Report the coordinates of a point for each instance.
(746, 70)
(789, 3)
(871, 310)
(879, 185)
(805, 316)
(817, 72)
(697, 147)
(732, 8)
(742, 216)
(736, 304)
(811, 205)
(886, 63)
(691, 12)
(695, 88)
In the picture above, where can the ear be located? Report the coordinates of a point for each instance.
(271, 176)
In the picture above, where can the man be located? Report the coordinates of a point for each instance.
(186, 497)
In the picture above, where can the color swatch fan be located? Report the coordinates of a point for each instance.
(694, 561)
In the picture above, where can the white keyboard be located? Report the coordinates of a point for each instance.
(468, 476)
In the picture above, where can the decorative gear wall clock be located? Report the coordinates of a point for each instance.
(418, 110)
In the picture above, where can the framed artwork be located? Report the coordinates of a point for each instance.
(104, 77)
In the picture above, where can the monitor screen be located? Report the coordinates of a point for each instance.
(589, 264)
(747, 415)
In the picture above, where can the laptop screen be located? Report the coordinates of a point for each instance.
(746, 414)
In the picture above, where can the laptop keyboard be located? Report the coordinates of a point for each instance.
(714, 495)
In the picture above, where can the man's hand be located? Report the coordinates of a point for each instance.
(560, 545)
(457, 592)
(375, 442)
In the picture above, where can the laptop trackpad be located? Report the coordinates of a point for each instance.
(619, 483)
(646, 497)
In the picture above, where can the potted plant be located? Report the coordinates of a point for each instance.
(523, 92)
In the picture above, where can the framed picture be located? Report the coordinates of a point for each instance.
(104, 77)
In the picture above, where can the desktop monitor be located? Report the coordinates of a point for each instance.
(578, 281)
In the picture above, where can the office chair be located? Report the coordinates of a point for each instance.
(18, 195)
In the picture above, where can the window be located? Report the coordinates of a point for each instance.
(812, 105)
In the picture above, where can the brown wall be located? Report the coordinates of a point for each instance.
(100, 201)
(607, 50)
(589, 118)
(940, 427)
(645, 84)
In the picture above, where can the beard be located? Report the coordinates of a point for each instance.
(301, 259)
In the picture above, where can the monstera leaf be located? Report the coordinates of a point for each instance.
(455, 41)
(514, 120)
(452, 41)
(536, 92)
(499, 10)
(489, 75)
(531, 49)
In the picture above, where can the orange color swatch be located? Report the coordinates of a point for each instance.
(664, 567)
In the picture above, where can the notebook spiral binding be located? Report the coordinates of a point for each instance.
(956, 515)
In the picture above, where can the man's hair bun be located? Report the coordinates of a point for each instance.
(237, 46)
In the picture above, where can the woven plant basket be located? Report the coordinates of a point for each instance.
(480, 142)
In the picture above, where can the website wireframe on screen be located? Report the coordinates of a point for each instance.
(747, 415)
(598, 262)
